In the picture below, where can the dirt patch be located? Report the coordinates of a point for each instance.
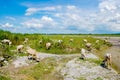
(114, 50)
(84, 70)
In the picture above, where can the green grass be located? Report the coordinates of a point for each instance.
(98, 78)
(4, 78)
(66, 47)
(40, 71)
(81, 78)
(96, 61)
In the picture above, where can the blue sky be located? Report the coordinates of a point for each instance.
(60, 16)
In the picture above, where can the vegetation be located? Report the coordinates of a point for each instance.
(4, 78)
(40, 70)
(66, 47)
(44, 68)
(98, 78)
(96, 61)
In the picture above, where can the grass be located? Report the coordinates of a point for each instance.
(66, 47)
(81, 78)
(96, 61)
(4, 78)
(98, 78)
(40, 71)
(116, 68)
(43, 70)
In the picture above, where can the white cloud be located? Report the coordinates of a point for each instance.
(73, 18)
(110, 14)
(48, 22)
(10, 18)
(46, 19)
(71, 7)
(39, 23)
(31, 11)
(114, 27)
(66, 17)
(34, 10)
(33, 23)
(107, 6)
(6, 25)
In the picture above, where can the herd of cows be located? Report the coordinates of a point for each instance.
(32, 54)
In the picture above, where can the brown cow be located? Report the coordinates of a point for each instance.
(107, 60)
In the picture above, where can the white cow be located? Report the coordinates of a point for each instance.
(85, 40)
(6, 41)
(31, 52)
(71, 40)
(83, 53)
(107, 60)
(60, 41)
(25, 41)
(97, 41)
(41, 41)
(20, 48)
(48, 45)
(88, 45)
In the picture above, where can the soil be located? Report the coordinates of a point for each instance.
(114, 50)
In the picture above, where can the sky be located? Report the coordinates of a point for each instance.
(60, 16)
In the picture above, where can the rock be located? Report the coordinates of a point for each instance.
(76, 69)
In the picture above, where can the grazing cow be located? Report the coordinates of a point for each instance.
(107, 60)
(83, 53)
(6, 41)
(20, 48)
(40, 42)
(71, 40)
(25, 41)
(48, 45)
(85, 40)
(2, 59)
(88, 46)
(32, 54)
(97, 41)
(60, 41)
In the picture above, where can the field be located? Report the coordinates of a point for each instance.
(53, 60)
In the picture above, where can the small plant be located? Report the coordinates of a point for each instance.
(98, 78)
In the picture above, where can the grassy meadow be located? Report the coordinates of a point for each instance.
(66, 47)
(46, 66)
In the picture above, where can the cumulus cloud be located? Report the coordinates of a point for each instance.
(72, 18)
(108, 5)
(46, 19)
(42, 22)
(34, 10)
(110, 14)
(6, 25)
(65, 18)
(33, 23)
(31, 11)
